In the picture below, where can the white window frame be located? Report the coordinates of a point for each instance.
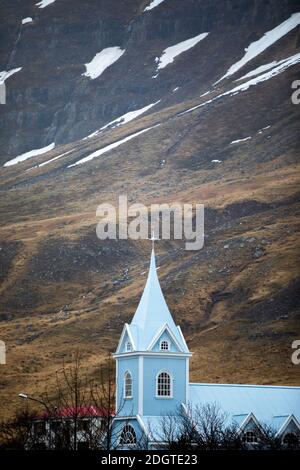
(164, 341)
(128, 346)
(127, 397)
(164, 397)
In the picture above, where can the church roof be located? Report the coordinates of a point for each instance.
(153, 315)
(269, 404)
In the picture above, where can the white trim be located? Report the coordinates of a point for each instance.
(126, 329)
(142, 424)
(117, 383)
(246, 421)
(127, 397)
(183, 338)
(164, 328)
(159, 397)
(153, 353)
(141, 386)
(127, 418)
(130, 336)
(286, 423)
(121, 339)
(187, 381)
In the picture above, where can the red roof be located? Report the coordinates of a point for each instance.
(72, 411)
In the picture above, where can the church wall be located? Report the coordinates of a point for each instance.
(127, 407)
(177, 368)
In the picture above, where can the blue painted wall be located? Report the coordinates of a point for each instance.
(165, 336)
(177, 368)
(127, 407)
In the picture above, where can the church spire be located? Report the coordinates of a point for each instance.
(153, 313)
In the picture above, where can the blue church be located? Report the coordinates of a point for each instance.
(152, 380)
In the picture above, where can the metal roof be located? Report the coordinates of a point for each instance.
(269, 404)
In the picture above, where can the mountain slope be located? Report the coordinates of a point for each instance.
(230, 143)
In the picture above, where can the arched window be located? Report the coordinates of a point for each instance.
(164, 345)
(163, 385)
(127, 385)
(128, 347)
(128, 435)
(290, 439)
(249, 437)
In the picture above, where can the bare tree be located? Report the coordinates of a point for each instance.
(202, 427)
(17, 432)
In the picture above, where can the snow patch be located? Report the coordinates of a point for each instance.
(153, 4)
(263, 129)
(169, 54)
(5, 74)
(27, 20)
(44, 3)
(124, 119)
(102, 61)
(290, 61)
(129, 116)
(240, 140)
(281, 67)
(267, 40)
(55, 158)
(27, 155)
(109, 147)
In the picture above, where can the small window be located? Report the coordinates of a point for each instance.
(127, 385)
(128, 347)
(163, 385)
(164, 345)
(250, 437)
(128, 435)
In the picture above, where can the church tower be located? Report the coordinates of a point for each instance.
(152, 358)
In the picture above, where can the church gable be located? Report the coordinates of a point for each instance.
(126, 343)
(165, 341)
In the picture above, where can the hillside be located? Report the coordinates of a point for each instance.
(219, 128)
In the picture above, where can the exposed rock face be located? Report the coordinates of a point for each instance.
(49, 99)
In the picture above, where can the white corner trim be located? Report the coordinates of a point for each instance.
(183, 338)
(141, 386)
(116, 385)
(142, 424)
(121, 339)
(187, 377)
(164, 328)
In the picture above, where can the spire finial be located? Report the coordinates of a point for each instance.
(153, 238)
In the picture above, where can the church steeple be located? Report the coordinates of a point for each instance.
(153, 315)
(152, 358)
